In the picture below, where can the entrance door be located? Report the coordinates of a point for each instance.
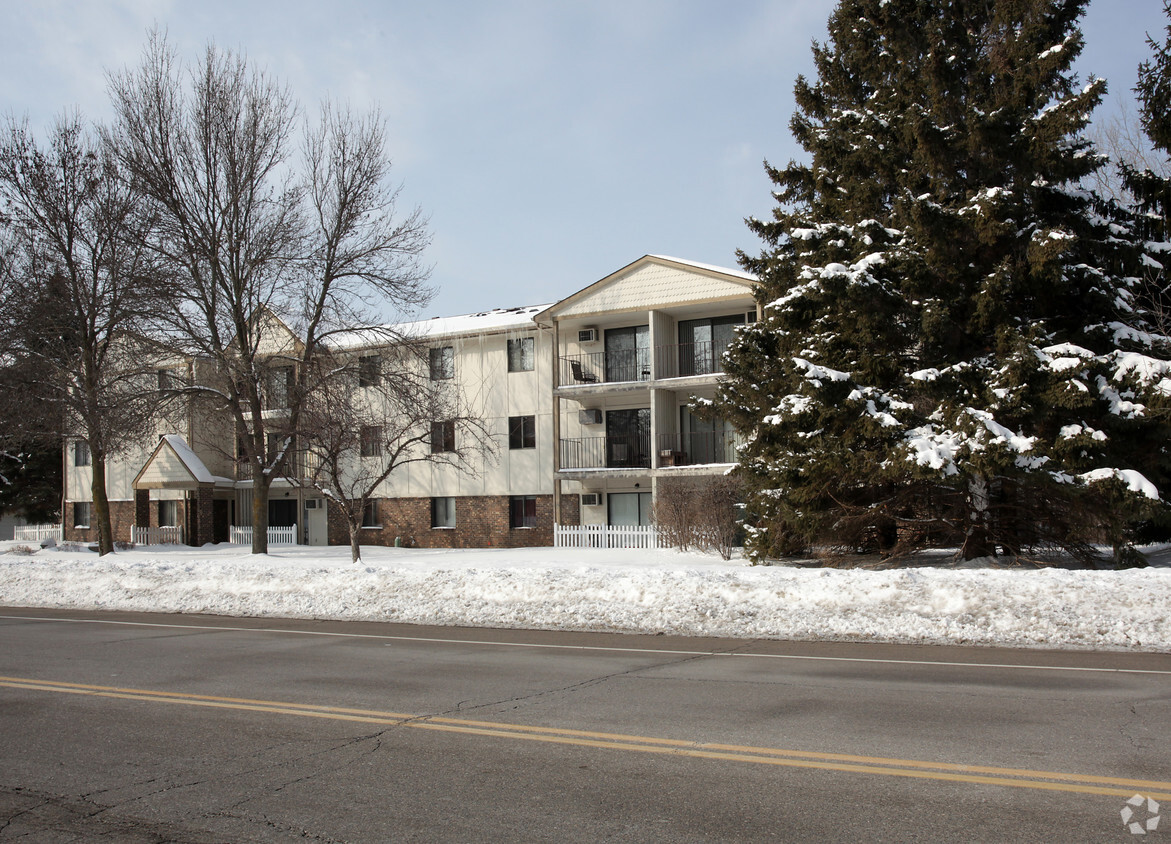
(316, 523)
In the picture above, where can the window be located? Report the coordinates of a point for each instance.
(369, 371)
(81, 453)
(167, 380)
(522, 511)
(442, 363)
(442, 436)
(81, 514)
(522, 432)
(520, 354)
(371, 436)
(370, 514)
(443, 512)
(280, 387)
(168, 513)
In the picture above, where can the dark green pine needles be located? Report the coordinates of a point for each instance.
(954, 349)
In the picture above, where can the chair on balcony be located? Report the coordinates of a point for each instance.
(580, 375)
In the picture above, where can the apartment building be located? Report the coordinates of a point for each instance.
(632, 349)
(586, 401)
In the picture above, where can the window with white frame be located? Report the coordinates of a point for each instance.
(442, 436)
(168, 513)
(81, 455)
(371, 436)
(369, 371)
(520, 354)
(443, 512)
(370, 514)
(522, 432)
(442, 363)
(522, 511)
(81, 514)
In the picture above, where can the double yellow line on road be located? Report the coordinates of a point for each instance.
(977, 774)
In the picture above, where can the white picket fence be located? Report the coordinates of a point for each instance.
(37, 533)
(607, 536)
(276, 535)
(167, 535)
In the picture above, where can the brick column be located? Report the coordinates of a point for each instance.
(142, 507)
(204, 521)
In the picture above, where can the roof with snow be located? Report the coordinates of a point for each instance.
(484, 322)
(174, 465)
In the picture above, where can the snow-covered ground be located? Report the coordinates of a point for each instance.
(629, 591)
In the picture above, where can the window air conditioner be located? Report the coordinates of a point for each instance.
(587, 335)
(591, 499)
(590, 416)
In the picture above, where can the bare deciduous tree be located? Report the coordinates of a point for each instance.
(79, 281)
(379, 412)
(262, 237)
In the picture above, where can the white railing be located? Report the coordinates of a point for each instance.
(607, 536)
(37, 533)
(166, 535)
(276, 535)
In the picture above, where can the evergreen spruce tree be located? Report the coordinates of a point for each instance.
(1151, 192)
(951, 349)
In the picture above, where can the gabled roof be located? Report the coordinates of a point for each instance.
(704, 280)
(173, 465)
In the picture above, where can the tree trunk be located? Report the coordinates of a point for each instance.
(355, 548)
(101, 504)
(259, 511)
(978, 539)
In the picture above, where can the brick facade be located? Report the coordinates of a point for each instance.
(480, 522)
(121, 521)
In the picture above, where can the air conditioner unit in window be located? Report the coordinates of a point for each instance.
(591, 499)
(587, 335)
(590, 416)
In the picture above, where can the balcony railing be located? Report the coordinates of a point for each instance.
(623, 452)
(696, 449)
(687, 359)
(299, 464)
(671, 361)
(606, 367)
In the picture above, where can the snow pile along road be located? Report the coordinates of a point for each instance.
(626, 591)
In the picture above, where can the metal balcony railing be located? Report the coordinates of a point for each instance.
(606, 367)
(622, 452)
(686, 359)
(299, 464)
(696, 449)
(671, 361)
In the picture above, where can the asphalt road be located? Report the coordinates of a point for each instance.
(151, 728)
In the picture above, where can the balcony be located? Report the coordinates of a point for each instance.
(696, 449)
(679, 360)
(685, 360)
(633, 452)
(298, 465)
(623, 452)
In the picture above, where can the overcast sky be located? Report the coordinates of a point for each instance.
(552, 143)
